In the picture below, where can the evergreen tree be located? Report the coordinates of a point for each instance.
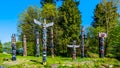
(47, 1)
(49, 12)
(106, 17)
(7, 47)
(26, 26)
(114, 43)
(69, 23)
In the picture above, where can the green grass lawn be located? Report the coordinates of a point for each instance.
(60, 62)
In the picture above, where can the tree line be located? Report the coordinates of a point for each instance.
(67, 20)
(67, 27)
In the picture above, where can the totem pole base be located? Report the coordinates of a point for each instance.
(74, 57)
(13, 59)
(24, 55)
(37, 55)
(101, 55)
(52, 56)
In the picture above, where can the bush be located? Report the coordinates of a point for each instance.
(7, 47)
(20, 51)
(93, 55)
(0, 47)
(30, 48)
(110, 55)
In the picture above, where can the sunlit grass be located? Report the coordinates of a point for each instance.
(66, 62)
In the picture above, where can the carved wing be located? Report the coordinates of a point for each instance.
(76, 46)
(69, 45)
(37, 22)
(49, 24)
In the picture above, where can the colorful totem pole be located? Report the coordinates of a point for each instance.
(13, 47)
(44, 26)
(101, 44)
(37, 44)
(24, 46)
(74, 49)
(52, 44)
(82, 38)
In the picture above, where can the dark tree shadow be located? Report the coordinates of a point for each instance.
(36, 61)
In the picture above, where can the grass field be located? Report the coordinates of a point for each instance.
(57, 62)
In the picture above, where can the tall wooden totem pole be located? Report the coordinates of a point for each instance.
(82, 39)
(44, 26)
(13, 40)
(37, 44)
(101, 44)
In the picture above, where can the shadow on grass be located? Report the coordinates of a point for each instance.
(46, 65)
(36, 61)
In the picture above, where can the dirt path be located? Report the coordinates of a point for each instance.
(11, 63)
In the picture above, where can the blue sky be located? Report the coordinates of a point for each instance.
(10, 9)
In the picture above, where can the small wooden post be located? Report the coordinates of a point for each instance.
(52, 44)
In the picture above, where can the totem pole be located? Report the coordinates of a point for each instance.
(37, 44)
(44, 26)
(74, 49)
(101, 44)
(52, 44)
(24, 46)
(82, 46)
(13, 47)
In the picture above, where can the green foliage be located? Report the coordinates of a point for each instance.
(26, 26)
(47, 1)
(106, 17)
(7, 47)
(31, 48)
(19, 45)
(92, 42)
(1, 47)
(19, 48)
(69, 24)
(92, 55)
(49, 12)
(114, 42)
